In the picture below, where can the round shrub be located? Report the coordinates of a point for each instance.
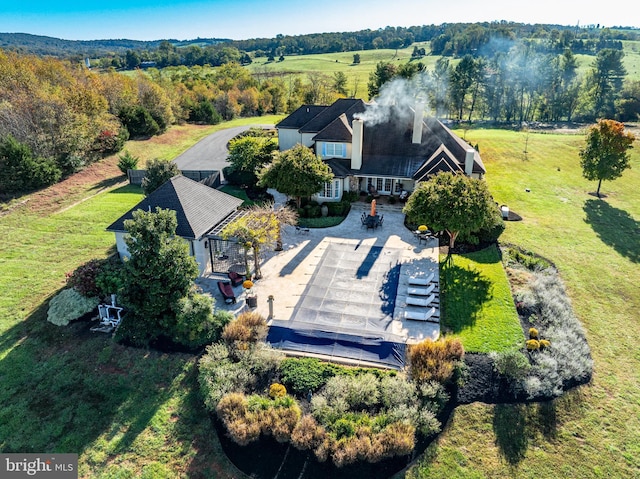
(302, 375)
(533, 345)
(83, 278)
(68, 305)
(277, 390)
(533, 333)
(512, 364)
(544, 344)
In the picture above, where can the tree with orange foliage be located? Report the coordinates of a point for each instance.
(605, 156)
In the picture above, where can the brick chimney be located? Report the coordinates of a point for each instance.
(356, 144)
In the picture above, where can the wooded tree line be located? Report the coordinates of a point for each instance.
(456, 39)
(57, 117)
(520, 84)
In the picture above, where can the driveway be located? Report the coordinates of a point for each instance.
(211, 152)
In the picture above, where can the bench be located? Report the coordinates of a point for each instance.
(227, 292)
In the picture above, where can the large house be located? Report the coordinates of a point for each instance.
(387, 148)
(201, 213)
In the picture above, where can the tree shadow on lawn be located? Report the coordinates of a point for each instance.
(64, 387)
(514, 425)
(615, 227)
(462, 294)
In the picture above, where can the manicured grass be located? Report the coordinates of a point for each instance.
(238, 193)
(593, 431)
(476, 301)
(127, 412)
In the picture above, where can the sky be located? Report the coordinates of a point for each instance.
(239, 20)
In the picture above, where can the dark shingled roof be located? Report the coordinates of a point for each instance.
(301, 116)
(338, 130)
(348, 106)
(198, 207)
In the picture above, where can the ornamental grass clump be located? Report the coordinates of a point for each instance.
(68, 305)
(435, 360)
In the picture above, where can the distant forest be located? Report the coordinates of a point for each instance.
(453, 39)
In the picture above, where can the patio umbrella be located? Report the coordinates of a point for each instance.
(373, 207)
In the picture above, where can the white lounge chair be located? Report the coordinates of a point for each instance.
(427, 315)
(421, 291)
(420, 300)
(421, 280)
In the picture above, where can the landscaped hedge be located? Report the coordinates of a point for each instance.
(355, 414)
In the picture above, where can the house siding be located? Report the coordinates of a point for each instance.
(196, 249)
(288, 138)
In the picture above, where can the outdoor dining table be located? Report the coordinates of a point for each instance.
(372, 221)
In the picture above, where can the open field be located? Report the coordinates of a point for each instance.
(134, 413)
(593, 431)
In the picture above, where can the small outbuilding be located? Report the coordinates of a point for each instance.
(199, 211)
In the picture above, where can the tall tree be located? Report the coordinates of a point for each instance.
(605, 82)
(452, 203)
(296, 172)
(159, 273)
(248, 155)
(605, 155)
(384, 72)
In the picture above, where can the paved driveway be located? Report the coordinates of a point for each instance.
(211, 152)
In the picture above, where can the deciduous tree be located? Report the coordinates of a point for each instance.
(453, 203)
(605, 155)
(296, 172)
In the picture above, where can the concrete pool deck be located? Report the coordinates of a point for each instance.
(287, 273)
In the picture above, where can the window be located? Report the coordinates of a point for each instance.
(387, 185)
(379, 184)
(331, 190)
(334, 149)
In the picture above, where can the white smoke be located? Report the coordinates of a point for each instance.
(399, 98)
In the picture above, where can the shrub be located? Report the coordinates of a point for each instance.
(127, 161)
(302, 375)
(570, 354)
(434, 360)
(158, 172)
(83, 278)
(359, 392)
(350, 196)
(68, 305)
(533, 345)
(308, 434)
(512, 364)
(21, 171)
(218, 375)
(109, 278)
(433, 396)
(396, 391)
(544, 344)
(533, 333)
(277, 390)
(247, 328)
(195, 321)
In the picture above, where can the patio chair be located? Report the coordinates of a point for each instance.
(236, 278)
(227, 292)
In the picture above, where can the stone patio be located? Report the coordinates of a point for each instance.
(287, 273)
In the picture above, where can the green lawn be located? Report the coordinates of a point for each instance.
(477, 306)
(593, 431)
(134, 413)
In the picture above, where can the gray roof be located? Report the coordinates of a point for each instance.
(348, 106)
(301, 116)
(198, 207)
